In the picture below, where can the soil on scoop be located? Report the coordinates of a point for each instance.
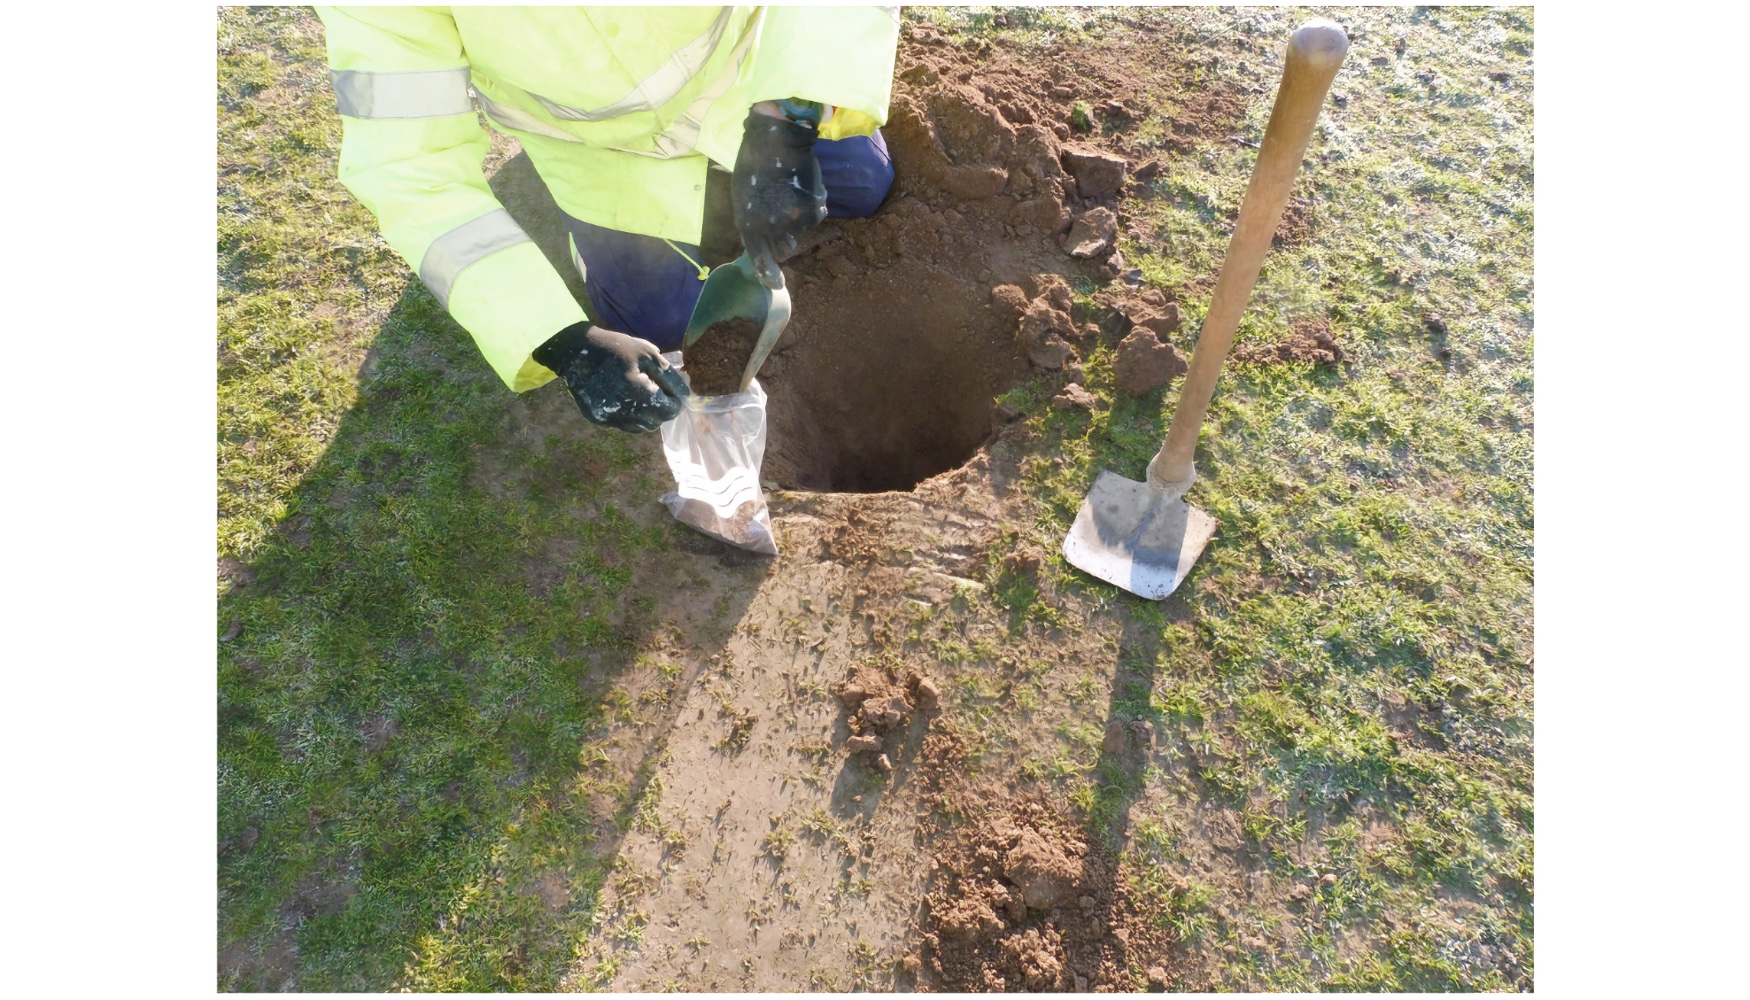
(716, 361)
(1026, 901)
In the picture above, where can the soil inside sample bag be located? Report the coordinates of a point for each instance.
(714, 448)
(716, 361)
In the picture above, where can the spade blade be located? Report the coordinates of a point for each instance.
(1134, 536)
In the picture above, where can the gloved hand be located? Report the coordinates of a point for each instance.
(618, 381)
(777, 190)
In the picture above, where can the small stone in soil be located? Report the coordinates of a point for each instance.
(929, 696)
(1073, 397)
(1093, 233)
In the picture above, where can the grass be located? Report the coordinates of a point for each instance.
(399, 747)
(433, 628)
(1347, 673)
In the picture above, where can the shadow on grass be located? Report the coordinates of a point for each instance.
(419, 671)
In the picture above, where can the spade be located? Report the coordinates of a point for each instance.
(1143, 536)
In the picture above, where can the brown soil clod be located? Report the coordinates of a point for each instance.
(1094, 233)
(1308, 340)
(878, 706)
(1044, 331)
(1027, 902)
(1152, 311)
(1097, 174)
(1144, 363)
(863, 744)
(926, 695)
(1074, 397)
(715, 362)
(1008, 303)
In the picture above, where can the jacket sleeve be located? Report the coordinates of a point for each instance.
(411, 152)
(842, 56)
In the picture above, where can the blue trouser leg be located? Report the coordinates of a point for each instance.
(857, 172)
(643, 287)
(638, 284)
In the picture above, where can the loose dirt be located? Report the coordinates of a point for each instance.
(717, 360)
(1026, 902)
(1308, 340)
(878, 707)
(1144, 362)
(908, 323)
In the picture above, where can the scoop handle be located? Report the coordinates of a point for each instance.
(1315, 51)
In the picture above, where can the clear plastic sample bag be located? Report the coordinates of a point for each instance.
(714, 447)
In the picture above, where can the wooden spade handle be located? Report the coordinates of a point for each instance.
(1315, 51)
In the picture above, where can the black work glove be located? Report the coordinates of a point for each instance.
(618, 381)
(777, 190)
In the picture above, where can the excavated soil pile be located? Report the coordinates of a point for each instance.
(879, 709)
(897, 346)
(715, 362)
(1025, 902)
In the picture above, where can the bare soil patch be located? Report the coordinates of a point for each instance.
(1025, 901)
(901, 333)
(814, 762)
(1307, 340)
(908, 323)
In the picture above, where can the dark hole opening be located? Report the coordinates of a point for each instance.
(885, 382)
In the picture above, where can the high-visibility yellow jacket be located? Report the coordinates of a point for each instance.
(619, 108)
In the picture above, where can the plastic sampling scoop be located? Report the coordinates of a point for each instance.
(734, 291)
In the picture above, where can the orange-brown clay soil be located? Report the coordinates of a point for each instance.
(1024, 901)
(908, 323)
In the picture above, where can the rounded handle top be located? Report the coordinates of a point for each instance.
(1320, 41)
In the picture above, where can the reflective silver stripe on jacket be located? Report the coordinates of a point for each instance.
(516, 118)
(417, 94)
(683, 133)
(658, 88)
(467, 244)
